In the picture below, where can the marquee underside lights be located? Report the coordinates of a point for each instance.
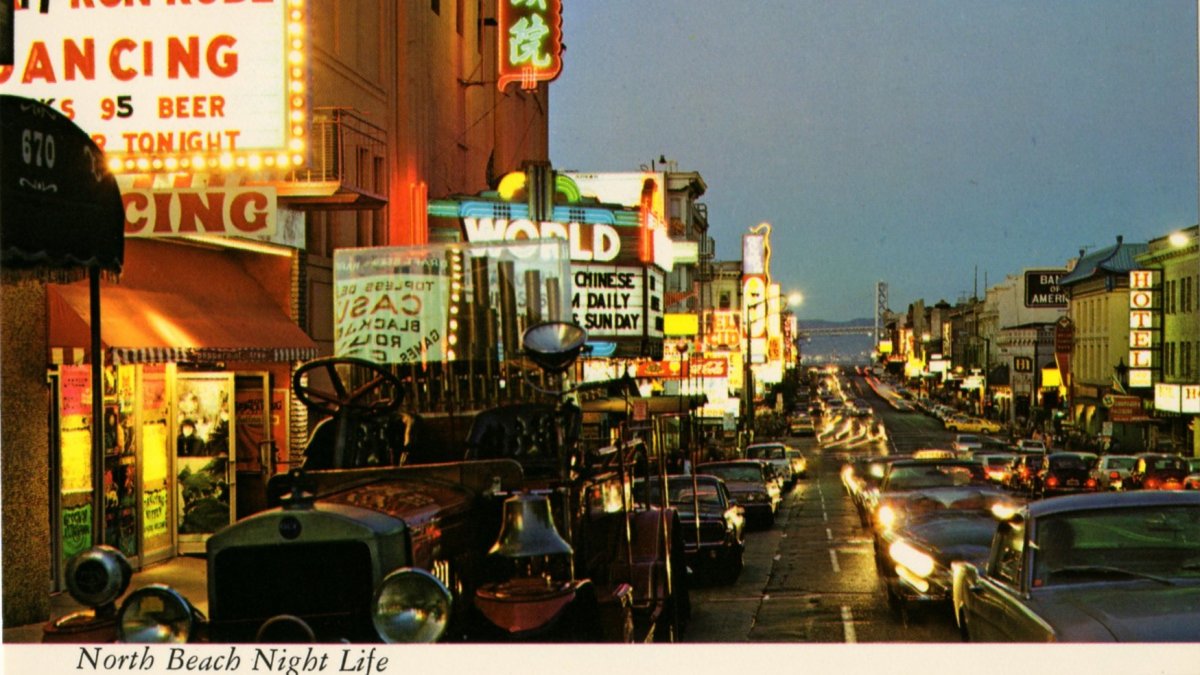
(172, 87)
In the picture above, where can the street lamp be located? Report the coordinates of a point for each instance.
(794, 298)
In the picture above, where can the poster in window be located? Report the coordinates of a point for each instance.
(204, 450)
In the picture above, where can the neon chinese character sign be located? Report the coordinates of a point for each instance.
(530, 42)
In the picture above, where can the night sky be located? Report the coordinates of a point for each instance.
(932, 145)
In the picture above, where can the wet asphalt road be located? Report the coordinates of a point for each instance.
(811, 577)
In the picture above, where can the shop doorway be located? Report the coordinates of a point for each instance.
(262, 438)
(205, 432)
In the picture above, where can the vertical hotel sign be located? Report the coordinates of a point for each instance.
(169, 85)
(1141, 328)
(530, 42)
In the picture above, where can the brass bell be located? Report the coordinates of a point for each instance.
(528, 529)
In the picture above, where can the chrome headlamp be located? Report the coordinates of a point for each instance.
(411, 605)
(157, 614)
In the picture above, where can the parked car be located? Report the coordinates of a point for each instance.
(751, 485)
(799, 463)
(1100, 567)
(1111, 471)
(1064, 473)
(931, 529)
(1155, 471)
(774, 454)
(368, 544)
(711, 521)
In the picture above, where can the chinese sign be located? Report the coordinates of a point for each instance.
(530, 42)
(171, 86)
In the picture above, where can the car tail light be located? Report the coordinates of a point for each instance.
(1151, 483)
(1052, 481)
(1113, 475)
(1091, 484)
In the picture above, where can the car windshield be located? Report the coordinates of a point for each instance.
(1165, 464)
(681, 491)
(1121, 462)
(919, 477)
(765, 452)
(1117, 543)
(997, 460)
(733, 472)
(1067, 462)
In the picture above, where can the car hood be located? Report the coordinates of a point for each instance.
(956, 537)
(1137, 611)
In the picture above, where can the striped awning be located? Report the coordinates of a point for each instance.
(180, 304)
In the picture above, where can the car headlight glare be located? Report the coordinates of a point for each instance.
(918, 562)
(411, 605)
(156, 614)
(886, 517)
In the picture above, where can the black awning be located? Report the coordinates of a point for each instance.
(60, 207)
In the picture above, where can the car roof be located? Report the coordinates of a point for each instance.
(1104, 500)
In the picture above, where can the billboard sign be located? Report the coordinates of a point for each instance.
(171, 86)
(1042, 290)
(611, 301)
(418, 304)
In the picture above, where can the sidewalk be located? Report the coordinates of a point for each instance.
(186, 574)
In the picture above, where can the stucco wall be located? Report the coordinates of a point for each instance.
(24, 434)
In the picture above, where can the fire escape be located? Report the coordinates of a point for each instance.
(348, 170)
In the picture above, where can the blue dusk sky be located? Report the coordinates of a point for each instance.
(928, 144)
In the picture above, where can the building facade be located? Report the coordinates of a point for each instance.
(384, 106)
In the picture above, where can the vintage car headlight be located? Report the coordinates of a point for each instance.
(886, 516)
(411, 605)
(917, 562)
(1003, 511)
(156, 614)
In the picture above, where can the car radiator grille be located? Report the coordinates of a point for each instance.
(329, 585)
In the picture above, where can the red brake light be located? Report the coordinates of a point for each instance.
(1151, 483)
(1113, 475)
(1051, 481)
(1091, 482)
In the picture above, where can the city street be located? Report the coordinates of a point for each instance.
(811, 577)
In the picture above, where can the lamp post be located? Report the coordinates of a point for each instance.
(793, 299)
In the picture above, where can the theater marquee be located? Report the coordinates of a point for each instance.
(166, 85)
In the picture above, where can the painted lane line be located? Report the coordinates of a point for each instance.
(829, 534)
(833, 560)
(848, 625)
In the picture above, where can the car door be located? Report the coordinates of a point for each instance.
(993, 604)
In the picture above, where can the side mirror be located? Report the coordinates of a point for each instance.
(554, 345)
